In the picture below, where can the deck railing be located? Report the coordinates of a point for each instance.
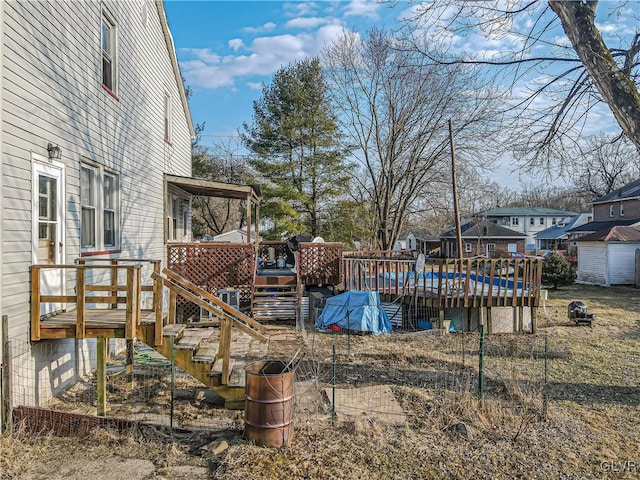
(120, 283)
(477, 282)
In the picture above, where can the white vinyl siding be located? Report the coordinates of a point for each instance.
(592, 263)
(51, 88)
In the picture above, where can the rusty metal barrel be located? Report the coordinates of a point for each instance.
(269, 395)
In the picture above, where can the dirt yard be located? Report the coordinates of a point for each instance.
(440, 429)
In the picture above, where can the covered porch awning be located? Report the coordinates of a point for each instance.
(208, 188)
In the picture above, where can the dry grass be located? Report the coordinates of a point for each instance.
(593, 422)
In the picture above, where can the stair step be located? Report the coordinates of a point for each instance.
(173, 330)
(238, 377)
(192, 337)
(216, 369)
(206, 353)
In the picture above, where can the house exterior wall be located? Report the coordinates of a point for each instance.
(631, 209)
(449, 246)
(592, 263)
(52, 93)
(522, 224)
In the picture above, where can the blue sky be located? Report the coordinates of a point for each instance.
(227, 48)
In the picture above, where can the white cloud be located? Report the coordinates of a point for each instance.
(300, 9)
(263, 57)
(267, 27)
(306, 22)
(362, 8)
(254, 85)
(236, 43)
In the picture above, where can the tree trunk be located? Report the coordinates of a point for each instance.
(615, 86)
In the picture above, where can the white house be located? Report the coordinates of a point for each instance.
(527, 220)
(607, 257)
(94, 114)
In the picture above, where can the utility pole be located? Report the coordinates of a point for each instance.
(454, 181)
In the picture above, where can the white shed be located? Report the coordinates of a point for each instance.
(234, 236)
(607, 257)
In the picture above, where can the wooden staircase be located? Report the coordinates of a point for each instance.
(275, 298)
(208, 351)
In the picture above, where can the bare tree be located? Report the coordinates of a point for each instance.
(213, 215)
(554, 93)
(605, 163)
(395, 110)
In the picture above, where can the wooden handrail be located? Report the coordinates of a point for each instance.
(131, 300)
(229, 317)
(468, 282)
(188, 285)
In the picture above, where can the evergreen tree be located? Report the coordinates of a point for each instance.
(295, 145)
(556, 271)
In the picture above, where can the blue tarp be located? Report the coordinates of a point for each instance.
(355, 310)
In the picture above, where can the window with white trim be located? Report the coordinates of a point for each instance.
(542, 221)
(108, 53)
(611, 210)
(467, 247)
(532, 221)
(167, 117)
(621, 210)
(515, 221)
(100, 208)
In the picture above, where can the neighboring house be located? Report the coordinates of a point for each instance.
(607, 257)
(618, 208)
(482, 238)
(421, 241)
(94, 115)
(556, 238)
(234, 236)
(526, 220)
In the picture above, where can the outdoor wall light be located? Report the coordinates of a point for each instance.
(54, 151)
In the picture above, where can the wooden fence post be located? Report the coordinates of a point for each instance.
(5, 408)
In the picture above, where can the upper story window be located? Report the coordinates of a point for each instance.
(167, 117)
(100, 209)
(108, 53)
(532, 221)
(553, 221)
(542, 221)
(611, 210)
(515, 221)
(467, 247)
(621, 209)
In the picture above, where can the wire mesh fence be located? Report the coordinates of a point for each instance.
(389, 379)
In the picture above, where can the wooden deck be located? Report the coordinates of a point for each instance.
(110, 323)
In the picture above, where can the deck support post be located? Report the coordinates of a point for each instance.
(534, 320)
(129, 366)
(440, 318)
(489, 321)
(101, 374)
(520, 318)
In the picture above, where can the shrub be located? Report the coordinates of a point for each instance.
(556, 271)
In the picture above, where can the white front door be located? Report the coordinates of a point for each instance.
(48, 227)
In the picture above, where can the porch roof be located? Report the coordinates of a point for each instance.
(208, 188)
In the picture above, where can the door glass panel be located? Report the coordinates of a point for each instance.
(47, 219)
